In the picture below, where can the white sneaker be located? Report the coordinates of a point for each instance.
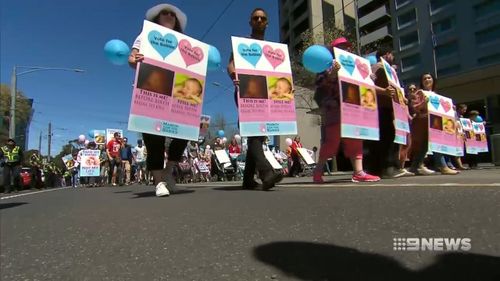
(162, 190)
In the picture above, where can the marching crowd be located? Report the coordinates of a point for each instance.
(183, 160)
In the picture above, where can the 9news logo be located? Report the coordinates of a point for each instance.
(431, 244)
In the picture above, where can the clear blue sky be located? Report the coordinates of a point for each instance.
(72, 34)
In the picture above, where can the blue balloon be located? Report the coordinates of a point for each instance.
(479, 119)
(220, 133)
(213, 58)
(372, 59)
(117, 52)
(317, 58)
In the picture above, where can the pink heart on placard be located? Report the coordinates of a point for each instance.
(190, 55)
(275, 57)
(362, 68)
(481, 126)
(445, 104)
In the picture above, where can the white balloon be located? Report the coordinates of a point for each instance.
(224, 140)
(87, 142)
(289, 141)
(81, 138)
(237, 138)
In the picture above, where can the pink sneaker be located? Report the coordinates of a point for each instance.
(364, 177)
(318, 177)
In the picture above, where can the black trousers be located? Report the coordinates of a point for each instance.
(296, 166)
(255, 160)
(383, 154)
(156, 148)
(11, 170)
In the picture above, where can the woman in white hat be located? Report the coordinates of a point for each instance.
(171, 17)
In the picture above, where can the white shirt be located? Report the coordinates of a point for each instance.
(140, 153)
(137, 43)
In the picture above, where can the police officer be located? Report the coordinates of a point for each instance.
(12, 157)
(36, 163)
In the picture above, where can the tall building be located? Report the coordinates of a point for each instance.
(296, 16)
(375, 23)
(459, 40)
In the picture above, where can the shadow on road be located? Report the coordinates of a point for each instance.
(11, 205)
(313, 261)
(309, 181)
(153, 193)
(229, 188)
(125, 191)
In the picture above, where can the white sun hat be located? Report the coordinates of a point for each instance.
(155, 11)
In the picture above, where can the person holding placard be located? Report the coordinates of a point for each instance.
(428, 83)
(419, 131)
(382, 155)
(255, 159)
(327, 96)
(171, 17)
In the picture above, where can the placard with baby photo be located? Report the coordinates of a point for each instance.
(266, 103)
(100, 136)
(399, 104)
(471, 145)
(204, 124)
(169, 84)
(111, 132)
(480, 134)
(442, 125)
(358, 99)
(68, 161)
(89, 163)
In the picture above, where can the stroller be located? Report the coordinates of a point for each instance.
(184, 171)
(308, 164)
(202, 172)
(222, 166)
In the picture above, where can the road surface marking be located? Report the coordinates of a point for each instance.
(34, 192)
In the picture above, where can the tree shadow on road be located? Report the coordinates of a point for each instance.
(229, 188)
(315, 261)
(309, 181)
(153, 193)
(11, 205)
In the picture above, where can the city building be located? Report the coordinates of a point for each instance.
(459, 42)
(375, 24)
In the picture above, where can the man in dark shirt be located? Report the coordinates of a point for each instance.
(255, 159)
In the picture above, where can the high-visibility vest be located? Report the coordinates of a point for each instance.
(11, 156)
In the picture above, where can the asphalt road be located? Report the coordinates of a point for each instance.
(216, 231)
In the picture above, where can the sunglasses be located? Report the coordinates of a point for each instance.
(256, 18)
(166, 12)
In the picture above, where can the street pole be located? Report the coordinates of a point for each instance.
(40, 144)
(49, 137)
(13, 90)
(434, 44)
(12, 121)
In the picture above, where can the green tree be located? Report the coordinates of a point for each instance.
(219, 122)
(309, 37)
(23, 110)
